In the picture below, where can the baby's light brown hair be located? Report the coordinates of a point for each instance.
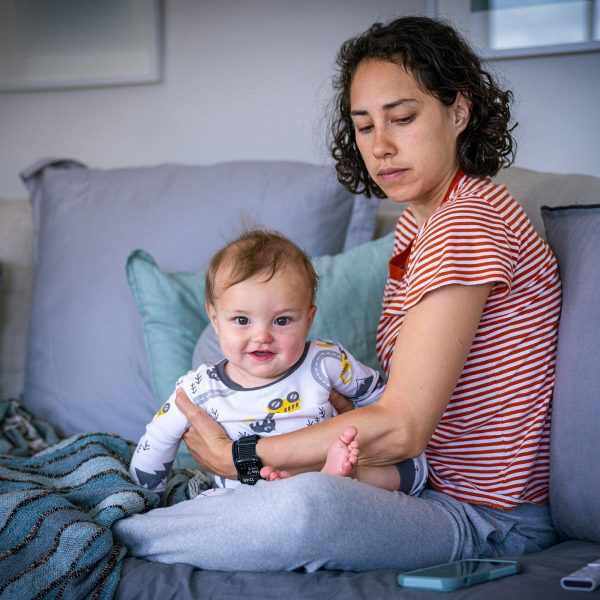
(255, 252)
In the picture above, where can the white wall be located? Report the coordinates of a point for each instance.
(250, 79)
(557, 105)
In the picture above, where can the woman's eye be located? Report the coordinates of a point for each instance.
(364, 128)
(281, 321)
(241, 320)
(404, 120)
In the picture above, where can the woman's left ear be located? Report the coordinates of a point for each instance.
(462, 112)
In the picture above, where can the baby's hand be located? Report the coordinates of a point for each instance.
(340, 403)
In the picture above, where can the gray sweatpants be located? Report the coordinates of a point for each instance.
(314, 521)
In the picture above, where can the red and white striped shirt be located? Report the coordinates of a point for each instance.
(492, 444)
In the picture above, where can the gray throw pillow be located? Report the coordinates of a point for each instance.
(87, 368)
(207, 348)
(573, 233)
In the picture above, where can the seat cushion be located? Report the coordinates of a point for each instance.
(539, 578)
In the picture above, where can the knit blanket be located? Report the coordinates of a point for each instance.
(56, 512)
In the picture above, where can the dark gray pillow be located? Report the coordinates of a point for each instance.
(573, 233)
(87, 369)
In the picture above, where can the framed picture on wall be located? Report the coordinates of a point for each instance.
(514, 28)
(53, 44)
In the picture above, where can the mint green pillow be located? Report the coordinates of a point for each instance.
(173, 317)
(172, 307)
(349, 296)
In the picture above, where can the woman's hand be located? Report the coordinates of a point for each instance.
(206, 439)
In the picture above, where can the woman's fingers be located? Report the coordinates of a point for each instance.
(207, 441)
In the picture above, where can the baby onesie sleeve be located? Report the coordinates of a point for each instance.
(358, 382)
(156, 450)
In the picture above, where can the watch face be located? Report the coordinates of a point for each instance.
(248, 470)
(248, 466)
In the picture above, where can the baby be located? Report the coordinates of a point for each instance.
(260, 298)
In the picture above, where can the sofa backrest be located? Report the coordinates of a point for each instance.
(532, 189)
(574, 236)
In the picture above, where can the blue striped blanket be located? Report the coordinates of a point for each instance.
(56, 512)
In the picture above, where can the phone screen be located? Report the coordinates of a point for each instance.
(460, 568)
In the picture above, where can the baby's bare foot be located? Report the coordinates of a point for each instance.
(272, 474)
(342, 456)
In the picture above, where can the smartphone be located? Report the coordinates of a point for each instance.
(458, 574)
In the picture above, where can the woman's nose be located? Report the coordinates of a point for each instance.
(383, 145)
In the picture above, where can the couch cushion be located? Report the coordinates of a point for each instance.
(534, 189)
(574, 235)
(207, 348)
(87, 367)
(539, 579)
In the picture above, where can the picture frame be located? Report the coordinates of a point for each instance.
(79, 43)
(501, 29)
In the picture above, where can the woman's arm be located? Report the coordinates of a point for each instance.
(429, 356)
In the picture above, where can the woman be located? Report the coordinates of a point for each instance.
(467, 338)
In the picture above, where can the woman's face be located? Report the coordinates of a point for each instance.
(406, 136)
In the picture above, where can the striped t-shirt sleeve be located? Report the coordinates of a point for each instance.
(464, 243)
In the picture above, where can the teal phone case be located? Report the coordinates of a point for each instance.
(468, 572)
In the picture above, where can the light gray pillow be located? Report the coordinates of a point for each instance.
(574, 235)
(87, 369)
(207, 348)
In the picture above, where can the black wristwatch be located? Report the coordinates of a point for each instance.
(246, 462)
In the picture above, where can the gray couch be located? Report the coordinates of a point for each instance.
(91, 348)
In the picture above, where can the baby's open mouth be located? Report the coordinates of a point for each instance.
(262, 354)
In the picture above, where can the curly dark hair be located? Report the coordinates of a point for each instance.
(443, 64)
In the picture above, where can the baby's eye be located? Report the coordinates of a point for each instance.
(241, 320)
(282, 321)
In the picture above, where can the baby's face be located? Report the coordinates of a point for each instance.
(262, 326)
